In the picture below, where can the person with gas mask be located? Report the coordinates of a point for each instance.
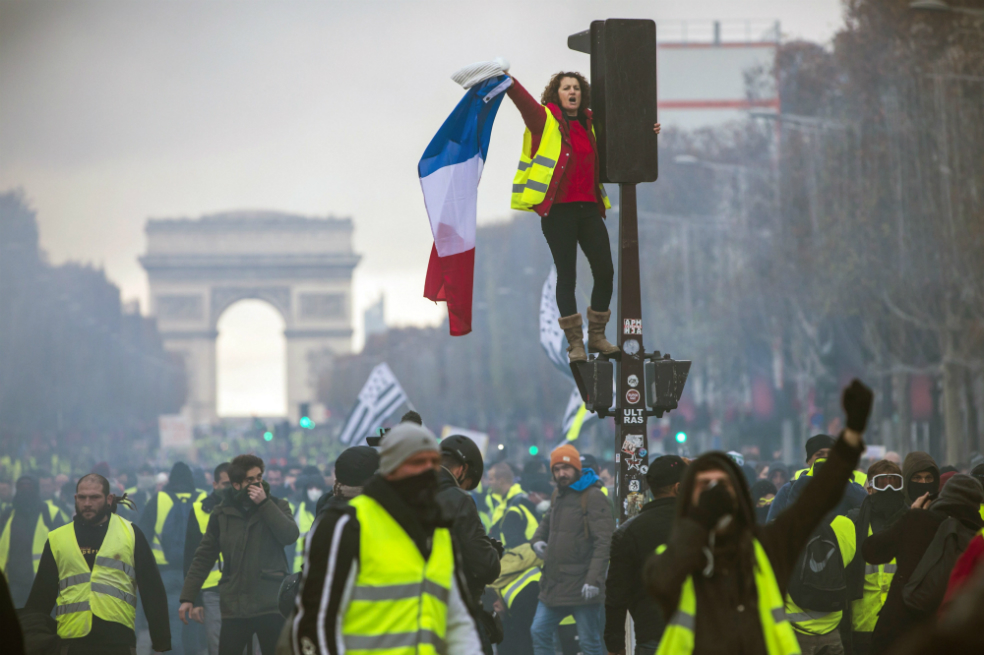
(90, 574)
(910, 537)
(387, 548)
(461, 471)
(310, 487)
(868, 584)
(721, 579)
(249, 529)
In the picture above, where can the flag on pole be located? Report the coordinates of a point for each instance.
(449, 171)
(380, 396)
(552, 338)
(576, 416)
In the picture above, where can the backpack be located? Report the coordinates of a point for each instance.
(818, 582)
(927, 585)
(172, 536)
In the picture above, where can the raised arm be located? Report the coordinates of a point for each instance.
(534, 114)
(785, 537)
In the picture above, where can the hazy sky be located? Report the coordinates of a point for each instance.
(112, 112)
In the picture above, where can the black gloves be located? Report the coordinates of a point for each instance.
(856, 401)
(498, 546)
(714, 503)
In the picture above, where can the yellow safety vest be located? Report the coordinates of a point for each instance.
(533, 175)
(305, 521)
(164, 505)
(216, 573)
(528, 577)
(821, 623)
(678, 639)
(399, 603)
(857, 476)
(40, 538)
(524, 513)
(877, 580)
(500, 504)
(108, 591)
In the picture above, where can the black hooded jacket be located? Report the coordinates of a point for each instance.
(632, 544)
(478, 556)
(726, 599)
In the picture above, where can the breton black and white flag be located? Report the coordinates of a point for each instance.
(380, 396)
(551, 336)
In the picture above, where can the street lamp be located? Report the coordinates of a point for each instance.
(943, 7)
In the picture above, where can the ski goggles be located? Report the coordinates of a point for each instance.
(884, 481)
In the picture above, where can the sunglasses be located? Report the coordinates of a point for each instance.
(884, 481)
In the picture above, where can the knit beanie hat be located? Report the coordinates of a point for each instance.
(356, 465)
(566, 454)
(403, 442)
(818, 442)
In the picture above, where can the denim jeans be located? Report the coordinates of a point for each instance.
(589, 624)
(646, 647)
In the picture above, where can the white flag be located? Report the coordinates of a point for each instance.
(380, 396)
(551, 336)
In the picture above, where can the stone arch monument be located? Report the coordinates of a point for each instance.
(197, 268)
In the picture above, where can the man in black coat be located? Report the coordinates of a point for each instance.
(632, 544)
(461, 470)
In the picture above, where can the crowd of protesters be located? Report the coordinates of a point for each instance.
(419, 545)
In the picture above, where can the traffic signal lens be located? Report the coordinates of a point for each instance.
(681, 437)
(534, 450)
(267, 436)
(306, 423)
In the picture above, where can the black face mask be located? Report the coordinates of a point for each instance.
(886, 502)
(417, 490)
(917, 489)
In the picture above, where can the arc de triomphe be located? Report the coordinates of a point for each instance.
(302, 266)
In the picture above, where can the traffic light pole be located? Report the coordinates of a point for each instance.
(623, 80)
(631, 437)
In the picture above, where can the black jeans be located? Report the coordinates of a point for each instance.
(567, 225)
(236, 633)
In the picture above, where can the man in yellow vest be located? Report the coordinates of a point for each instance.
(24, 529)
(817, 629)
(722, 579)
(380, 573)
(868, 584)
(518, 591)
(207, 611)
(166, 534)
(514, 518)
(91, 572)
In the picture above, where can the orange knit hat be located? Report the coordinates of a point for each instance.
(566, 454)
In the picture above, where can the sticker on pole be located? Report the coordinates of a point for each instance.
(632, 396)
(630, 346)
(633, 380)
(632, 326)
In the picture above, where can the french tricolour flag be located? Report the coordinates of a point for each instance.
(449, 174)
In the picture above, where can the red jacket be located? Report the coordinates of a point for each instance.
(535, 117)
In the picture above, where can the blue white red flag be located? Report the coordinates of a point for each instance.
(450, 170)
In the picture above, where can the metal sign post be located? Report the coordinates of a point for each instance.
(623, 83)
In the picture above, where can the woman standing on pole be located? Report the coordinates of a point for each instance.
(558, 178)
